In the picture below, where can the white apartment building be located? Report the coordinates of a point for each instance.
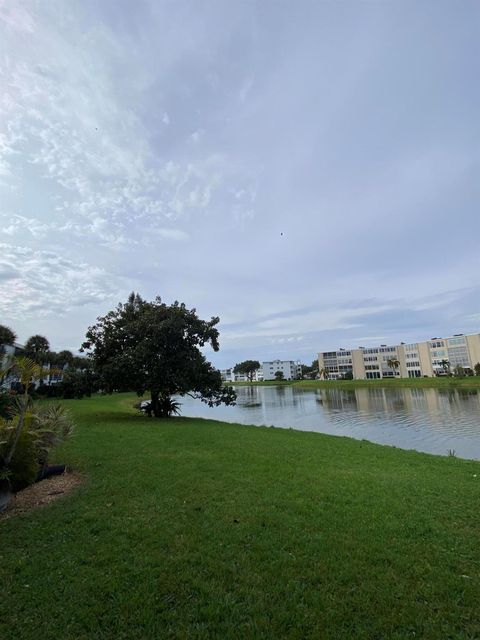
(291, 369)
(433, 357)
(228, 375)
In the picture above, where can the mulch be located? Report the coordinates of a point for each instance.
(42, 493)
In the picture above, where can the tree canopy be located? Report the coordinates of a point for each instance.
(7, 336)
(36, 348)
(247, 367)
(151, 346)
(310, 371)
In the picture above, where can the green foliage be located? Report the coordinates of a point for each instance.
(445, 364)
(279, 375)
(44, 427)
(7, 337)
(247, 368)
(24, 466)
(150, 346)
(6, 404)
(476, 369)
(310, 371)
(459, 371)
(51, 424)
(348, 375)
(64, 357)
(36, 348)
(393, 363)
(168, 407)
(74, 384)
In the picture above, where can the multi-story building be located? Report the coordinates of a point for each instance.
(291, 369)
(433, 357)
(228, 375)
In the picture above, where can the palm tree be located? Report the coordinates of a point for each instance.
(324, 373)
(393, 363)
(65, 358)
(7, 337)
(28, 372)
(36, 348)
(445, 364)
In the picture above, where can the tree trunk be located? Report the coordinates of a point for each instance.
(156, 404)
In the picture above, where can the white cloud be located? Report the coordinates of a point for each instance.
(45, 283)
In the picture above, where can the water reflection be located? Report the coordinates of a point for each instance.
(432, 420)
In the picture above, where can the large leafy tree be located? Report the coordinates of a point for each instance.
(7, 337)
(247, 367)
(155, 347)
(310, 371)
(64, 358)
(37, 347)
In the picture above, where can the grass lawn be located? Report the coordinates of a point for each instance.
(469, 382)
(189, 529)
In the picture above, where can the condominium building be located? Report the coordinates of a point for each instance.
(290, 369)
(229, 375)
(433, 357)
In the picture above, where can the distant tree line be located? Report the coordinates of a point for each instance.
(72, 376)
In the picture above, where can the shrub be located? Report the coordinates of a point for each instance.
(6, 404)
(24, 466)
(51, 424)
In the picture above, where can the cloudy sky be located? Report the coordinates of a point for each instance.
(306, 170)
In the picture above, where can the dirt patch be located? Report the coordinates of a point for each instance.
(41, 493)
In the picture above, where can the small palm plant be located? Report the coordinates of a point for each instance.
(51, 424)
(393, 363)
(28, 371)
(445, 364)
(324, 373)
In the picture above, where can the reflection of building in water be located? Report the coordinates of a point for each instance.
(393, 402)
(337, 399)
(431, 358)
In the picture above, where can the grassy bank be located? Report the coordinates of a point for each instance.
(199, 529)
(470, 382)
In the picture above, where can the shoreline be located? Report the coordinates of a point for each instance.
(470, 382)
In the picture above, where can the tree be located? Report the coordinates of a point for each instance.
(458, 371)
(393, 363)
(64, 358)
(7, 337)
(476, 368)
(445, 364)
(324, 373)
(36, 348)
(28, 372)
(248, 368)
(278, 375)
(151, 346)
(310, 371)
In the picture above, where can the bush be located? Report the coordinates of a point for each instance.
(6, 404)
(51, 424)
(24, 466)
(46, 426)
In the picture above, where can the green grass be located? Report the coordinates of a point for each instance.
(469, 382)
(188, 529)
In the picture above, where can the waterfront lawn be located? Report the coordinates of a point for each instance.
(198, 529)
(443, 382)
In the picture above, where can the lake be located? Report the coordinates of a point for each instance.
(430, 420)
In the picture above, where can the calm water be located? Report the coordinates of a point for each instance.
(431, 420)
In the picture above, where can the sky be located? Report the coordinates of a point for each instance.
(307, 171)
